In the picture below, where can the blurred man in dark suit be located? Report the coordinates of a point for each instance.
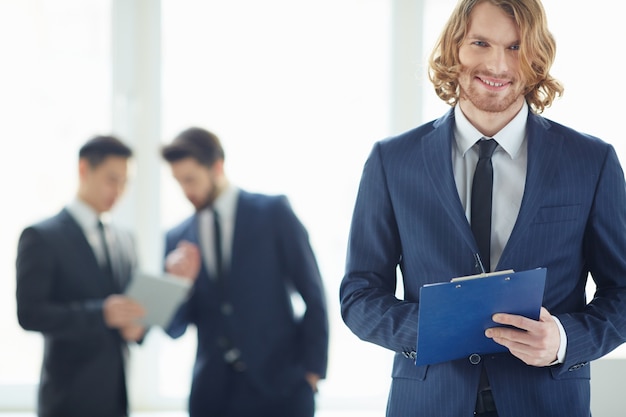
(71, 271)
(246, 254)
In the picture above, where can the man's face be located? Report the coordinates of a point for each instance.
(491, 79)
(197, 181)
(101, 186)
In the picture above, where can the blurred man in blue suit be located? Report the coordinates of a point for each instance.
(72, 270)
(247, 254)
(555, 198)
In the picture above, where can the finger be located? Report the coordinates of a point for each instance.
(522, 322)
(129, 313)
(506, 336)
(537, 346)
(186, 245)
(195, 251)
(132, 308)
(519, 322)
(135, 311)
(521, 350)
(544, 315)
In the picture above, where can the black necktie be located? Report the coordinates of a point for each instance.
(482, 191)
(217, 241)
(107, 267)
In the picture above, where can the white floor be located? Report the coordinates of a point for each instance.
(320, 413)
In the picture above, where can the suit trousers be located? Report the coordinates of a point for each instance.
(231, 394)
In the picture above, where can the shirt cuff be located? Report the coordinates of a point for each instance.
(560, 356)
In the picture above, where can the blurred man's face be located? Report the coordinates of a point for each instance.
(101, 186)
(198, 182)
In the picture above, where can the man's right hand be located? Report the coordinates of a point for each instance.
(133, 332)
(120, 311)
(184, 261)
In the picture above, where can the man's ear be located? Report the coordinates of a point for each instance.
(83, 168)
(218, 167)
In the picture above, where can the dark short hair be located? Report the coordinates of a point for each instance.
(98, 148)
(196, 143)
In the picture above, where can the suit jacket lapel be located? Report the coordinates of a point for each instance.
(83, 252)
(543, 153)
(193, 233)
(437, 158)
(242, 224)
(123, 258)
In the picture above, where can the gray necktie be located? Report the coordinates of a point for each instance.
(107, 267)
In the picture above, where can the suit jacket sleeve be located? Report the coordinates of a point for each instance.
(184, 314)
(367, 293)
(601, 326)
(36, 307)
(302, 271)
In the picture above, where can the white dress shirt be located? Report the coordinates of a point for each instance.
(509, 160)
(87, 219)
(226, 207)
(509, 173)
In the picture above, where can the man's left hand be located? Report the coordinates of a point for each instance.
(312, 379)
(534, 342)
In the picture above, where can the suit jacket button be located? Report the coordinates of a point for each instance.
(223, 342)
(227, 309)
(577, 366)
(409, 353)
(239, 366)
(474, 358)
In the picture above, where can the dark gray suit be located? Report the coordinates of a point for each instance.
(60, 290)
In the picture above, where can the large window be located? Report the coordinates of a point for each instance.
(298, 92)
(56, 93)
(55, 87)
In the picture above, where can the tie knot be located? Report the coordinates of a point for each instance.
(486, 148)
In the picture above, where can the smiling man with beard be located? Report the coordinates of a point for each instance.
(492, 181)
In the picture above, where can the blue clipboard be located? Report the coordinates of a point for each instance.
(453, 316)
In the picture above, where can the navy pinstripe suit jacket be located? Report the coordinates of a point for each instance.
(572, 221)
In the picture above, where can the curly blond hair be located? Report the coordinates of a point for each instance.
(537, 52)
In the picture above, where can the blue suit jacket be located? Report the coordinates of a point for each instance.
(572, 220)
(60, 289)
(271, 257)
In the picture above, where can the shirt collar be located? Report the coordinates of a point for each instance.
(510, 138)
(83, 213)
(226, 203)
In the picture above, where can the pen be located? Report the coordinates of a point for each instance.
(479, 263)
